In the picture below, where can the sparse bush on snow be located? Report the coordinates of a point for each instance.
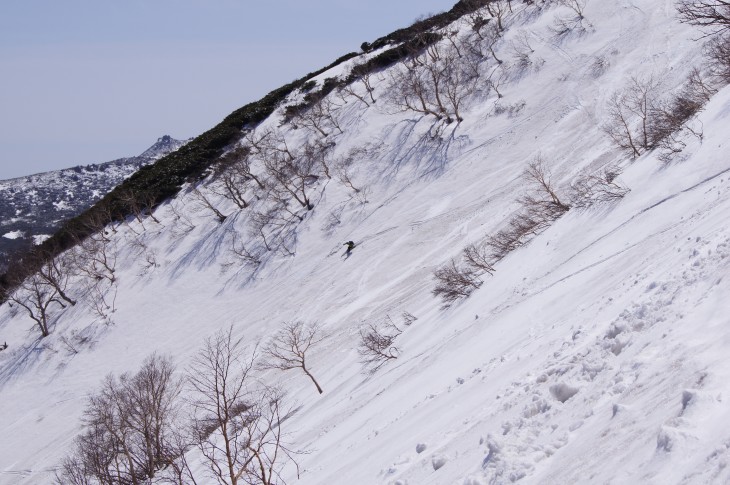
(377, 343)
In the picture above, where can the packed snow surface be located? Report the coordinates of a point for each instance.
(596, 353)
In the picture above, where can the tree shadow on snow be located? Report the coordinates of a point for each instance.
(428, 155)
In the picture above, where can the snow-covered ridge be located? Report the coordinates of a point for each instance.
(33, 207)
(594, 354)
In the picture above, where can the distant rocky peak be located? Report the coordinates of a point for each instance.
(164, 145)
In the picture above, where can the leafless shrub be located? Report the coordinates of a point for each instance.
(718, 53)
(517, 232)
(478, 258)
(713, 15)
(239, 249)
(408, 318)
(75, 341)
(37, 298)
(56, 272)
(130, 428)
(291, 172)
(596, 188)
(629, 115)
(276, 228)
(232, 186)
(455, 282)
(540, 206)
(542, 196)
(288, 348)
(140, 204)
(204, 203)
(511, 109)
(522, 51)
(344, 175)
(183, 224)
(320, 118)
(237, 423)
(364, 79)
(598, 67)
(497, 78)
(498, 9)
(670, 119)
(435, 82)
(100, 301)
(572, 23)
(699, 87)
(577, 6)
(478, 22)
(96, 257)
(376, 346)
(564, 25)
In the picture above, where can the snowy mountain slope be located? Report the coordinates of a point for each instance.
(594, 354)
(34, 206)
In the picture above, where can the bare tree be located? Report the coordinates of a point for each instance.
(239, 249)
(96, 256)
(130, 435)
(237, 424)
(37, 297)
(238, 160)
(434, 82)
(56, 272)
(714, 17)
(542, 193)
(477, 22)
(571, 23)
(232, 176)
(629, 112)
(540, 206)
(361, 76)
(712, 14)
(455, 282)
(183, 224)
(477, 257)
(288, 348)
(376, 346)
(496, 79)
(490, 38)
(698, 87)
(672, 117)
(522, 50)
(129, 198)
(292, 176)
(499, 9)
(410, 89)
(577, 6)
(203, 202)
(718, 51)
(321, 117)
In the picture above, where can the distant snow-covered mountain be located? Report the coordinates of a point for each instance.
(33, 207)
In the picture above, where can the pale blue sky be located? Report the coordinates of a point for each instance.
(86, 81)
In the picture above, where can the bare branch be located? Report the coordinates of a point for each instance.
(288, 348)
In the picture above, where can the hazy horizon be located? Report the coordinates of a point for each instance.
(87, 82)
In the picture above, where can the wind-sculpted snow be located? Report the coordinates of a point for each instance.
(596, 352)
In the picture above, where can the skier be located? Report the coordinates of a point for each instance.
(350, 246)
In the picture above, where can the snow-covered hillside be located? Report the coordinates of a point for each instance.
(595, 353)
(33, 207)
